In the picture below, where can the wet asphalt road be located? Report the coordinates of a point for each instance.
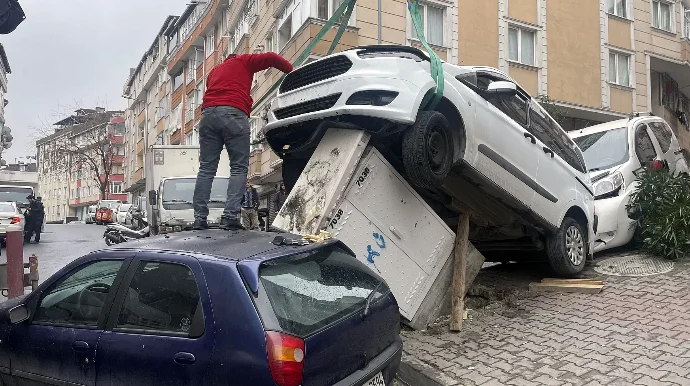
(61, 244)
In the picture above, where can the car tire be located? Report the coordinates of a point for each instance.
(292, 169)
(427, 150)
(567, 248)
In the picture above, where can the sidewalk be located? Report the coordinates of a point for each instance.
(635, 332)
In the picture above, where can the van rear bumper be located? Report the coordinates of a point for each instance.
(387, 363)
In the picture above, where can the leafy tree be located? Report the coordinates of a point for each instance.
(558, 113)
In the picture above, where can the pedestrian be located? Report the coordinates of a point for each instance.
(29, 219)
(280, 198)
(250, 208)
(37, 214)
(224, 122)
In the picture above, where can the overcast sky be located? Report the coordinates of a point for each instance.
(71, 52)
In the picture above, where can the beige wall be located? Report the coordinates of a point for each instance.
(573, 52)
(619, 33)
(523, 10)
(621, 100)
(526, 77)
(477, 33)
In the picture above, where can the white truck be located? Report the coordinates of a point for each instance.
(170, 179)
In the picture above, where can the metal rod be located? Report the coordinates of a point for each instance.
(379, 22)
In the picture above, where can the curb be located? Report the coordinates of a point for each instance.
(413, 372)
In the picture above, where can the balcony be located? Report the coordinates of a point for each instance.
(118, 159)
(140, 146)
(141, 118)
(139, 175)
(117, 139)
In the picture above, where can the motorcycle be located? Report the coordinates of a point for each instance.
(118, 233)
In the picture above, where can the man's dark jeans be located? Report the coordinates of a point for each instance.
(222, 126)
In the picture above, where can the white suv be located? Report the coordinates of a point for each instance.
(487, 144)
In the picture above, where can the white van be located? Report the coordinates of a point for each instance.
(613, 151)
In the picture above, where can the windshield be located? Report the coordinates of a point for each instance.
(605, 149)
(15, 194)
(310, 291)
(179, 192)
(92, 209)
(109, 204)
(125, 207)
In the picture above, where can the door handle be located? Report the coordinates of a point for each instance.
(530, 137)
(80, 346)
(184, 358)
(547, 151)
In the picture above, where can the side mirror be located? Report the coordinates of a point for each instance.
(153, 197)
(501, 89)
(18, 314)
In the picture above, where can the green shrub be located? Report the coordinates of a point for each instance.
(661, 205)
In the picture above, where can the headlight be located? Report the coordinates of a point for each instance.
(608, 186)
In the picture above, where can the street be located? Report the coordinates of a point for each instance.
(61, 244)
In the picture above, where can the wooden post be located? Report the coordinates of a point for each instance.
(459, 272)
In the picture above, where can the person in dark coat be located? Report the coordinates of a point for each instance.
(38, 213)
(280, 198)
(29, 220)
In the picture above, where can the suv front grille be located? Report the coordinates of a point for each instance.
(316, 72)
(311, 106)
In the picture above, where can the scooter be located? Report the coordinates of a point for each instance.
(118, 233)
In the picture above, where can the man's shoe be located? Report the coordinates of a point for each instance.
(230, 224)
(200, 225)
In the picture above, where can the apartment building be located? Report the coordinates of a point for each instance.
(147, 91)
(598, 59)
(4, 70)
(68, 180)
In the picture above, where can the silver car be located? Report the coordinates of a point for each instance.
(10, 219)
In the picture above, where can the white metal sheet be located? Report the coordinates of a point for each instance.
(393, 231)
(323, 182)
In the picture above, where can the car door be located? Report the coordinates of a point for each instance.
(645, 149)
(57, 346)
(160, 331)
(560, 168)
(670, 150)
(506, 154)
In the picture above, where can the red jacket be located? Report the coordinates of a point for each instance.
(229, 83)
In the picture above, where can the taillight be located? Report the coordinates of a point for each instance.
(285, 358)
(15, 220)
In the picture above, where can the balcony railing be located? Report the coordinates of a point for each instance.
(118, 159)
(139, 175)
(140, 146)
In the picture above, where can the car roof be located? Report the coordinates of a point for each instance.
(617, 124)
(215, 244)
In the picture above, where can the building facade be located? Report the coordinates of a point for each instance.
(67, 161)
(4, 70)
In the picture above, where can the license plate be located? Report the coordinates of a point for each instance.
(376, 381)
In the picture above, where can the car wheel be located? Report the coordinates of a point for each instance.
(292, 168)
(567, 248)
(427, 150)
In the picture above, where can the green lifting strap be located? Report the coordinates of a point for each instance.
(430, 100)
(345, 8)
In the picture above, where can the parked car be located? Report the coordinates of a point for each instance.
(91, 215)
(614, 151)
(11, 218)
(121, 213)
(521, 175)
(206, 308)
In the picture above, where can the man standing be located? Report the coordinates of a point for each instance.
(37, 213)
(281, 196)
(224, 122)
(250, 206)
(29, 219)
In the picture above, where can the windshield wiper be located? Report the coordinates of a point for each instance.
(217, 201)
(176, 201)
(369, 299)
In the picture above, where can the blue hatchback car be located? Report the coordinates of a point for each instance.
(206, 308)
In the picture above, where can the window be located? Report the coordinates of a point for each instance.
(254, 133)
(190, 108)
(553, 136)
(119, 129)
(116, 187)
(663, 135)
(644, 147)
(189, 138)
(199, 95)
(521, 44)
(284, 33)
(78, 297)
(178, 80)
(163, 108)
(618, 8)
(191, 70)
(210, 44)
(269, 43)
(619, 69)
(662, 15)
(432, 24)
(686, 21)
(162, 298)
